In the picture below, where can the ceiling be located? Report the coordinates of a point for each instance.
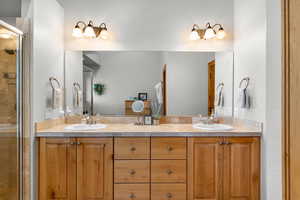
(10, 8)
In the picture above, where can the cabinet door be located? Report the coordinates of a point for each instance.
(241, 168)
(57, 169)
(94, 168)
(204, 168)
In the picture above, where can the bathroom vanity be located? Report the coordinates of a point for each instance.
(176, 160)
(165, 162)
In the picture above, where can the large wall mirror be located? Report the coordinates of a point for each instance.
(169, 83)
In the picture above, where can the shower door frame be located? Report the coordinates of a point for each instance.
(19, 102)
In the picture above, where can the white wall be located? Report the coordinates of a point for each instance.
(48, 52)
(25, 7)
(187, 82)
(273, 128)
(257, 47)
(250, 55)
(224, 74)
(148, 25)
(73, 73)
(125, 74)
(250, 61)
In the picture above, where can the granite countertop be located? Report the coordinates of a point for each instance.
(163, 130)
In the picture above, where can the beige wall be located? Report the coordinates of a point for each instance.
(7, 86)
(8, 140)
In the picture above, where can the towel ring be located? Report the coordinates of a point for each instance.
(220, 85)
(53, 79)
(247, 80)
(76, 86)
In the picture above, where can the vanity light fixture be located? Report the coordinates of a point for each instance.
(194, 34)
(208, 33)
(90, 31)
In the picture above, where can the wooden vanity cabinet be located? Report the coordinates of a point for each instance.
(241, 176)
(223, 168)
(57, 169)
(94, 169)
(194, 168)
(204, 168)
(75, 168)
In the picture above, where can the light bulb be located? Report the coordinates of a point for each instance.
(5, 35)
(209, 33)
(77, 32)
(89, 32)
(221, 34)
(194, 35)
(104, 34)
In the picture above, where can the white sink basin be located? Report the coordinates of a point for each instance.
(213, 127)
(84, 127)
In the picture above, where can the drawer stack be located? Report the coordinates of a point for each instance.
(168, 168)
(132, 169)
(147, 169)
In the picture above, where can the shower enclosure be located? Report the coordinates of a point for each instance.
(10, 112)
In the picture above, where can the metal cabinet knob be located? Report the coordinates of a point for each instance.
(225, 143)
(132, 149)
(169, 195)
(78, 143)
(170, 148)
(132, 172)
(169, 171)
(132, 196)
(72, 143)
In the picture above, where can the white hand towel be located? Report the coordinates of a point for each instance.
(159, 92)
(58, 98)
(244, 99)
(156, 105)
(219, 99)
(77, 98)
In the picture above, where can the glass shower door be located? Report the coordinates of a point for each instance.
(10, 113)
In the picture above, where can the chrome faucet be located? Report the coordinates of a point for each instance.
(88, 119)
(211, 119)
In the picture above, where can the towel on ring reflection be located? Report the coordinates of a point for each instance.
(156, 105)
(58, 98)
(77, 98)
(159, 93)
(219, 99)
(244, 98)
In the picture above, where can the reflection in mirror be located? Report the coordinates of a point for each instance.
(169, 83)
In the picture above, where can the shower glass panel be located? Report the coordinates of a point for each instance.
(10, 112)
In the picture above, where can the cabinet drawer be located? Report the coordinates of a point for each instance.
(132, 148)
(132, 171)
(131, 191)
(168, 148)
(168, 191)
(168, 171)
